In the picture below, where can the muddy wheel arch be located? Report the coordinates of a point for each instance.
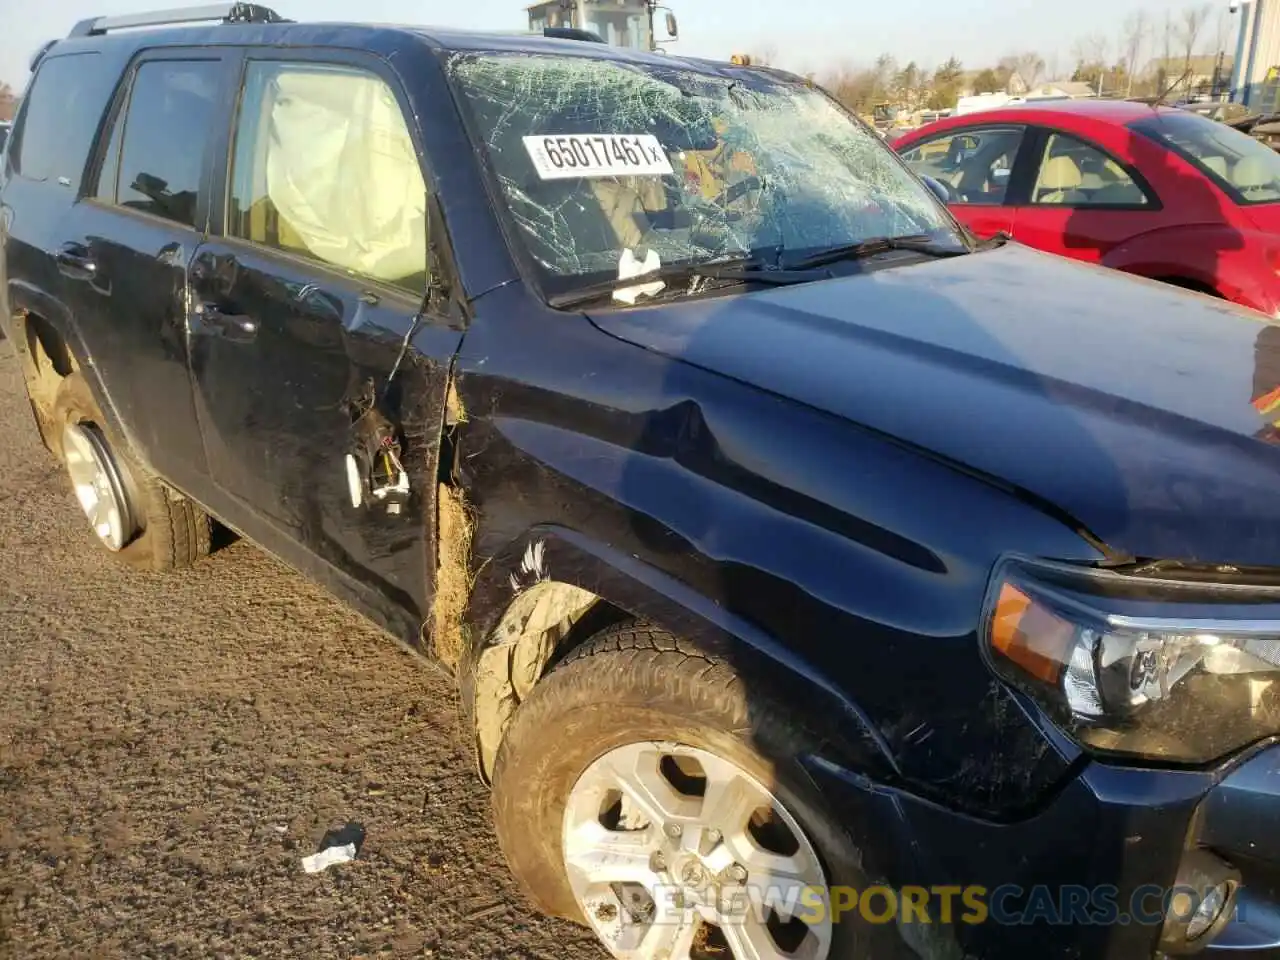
(536, 625)
(554, 588)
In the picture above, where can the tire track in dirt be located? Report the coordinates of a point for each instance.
(171, 746)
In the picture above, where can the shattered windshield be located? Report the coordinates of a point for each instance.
(605, 164)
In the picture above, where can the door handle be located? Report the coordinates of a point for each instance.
(233, 326)
(73, 261)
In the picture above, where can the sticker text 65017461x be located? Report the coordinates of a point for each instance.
(561, 157)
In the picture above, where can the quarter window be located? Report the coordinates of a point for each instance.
(975, 163)
(1075, 174)
(171, 115)
(60, 117)
(325, 168)
(1246, 168)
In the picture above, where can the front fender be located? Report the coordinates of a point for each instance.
(556, 554)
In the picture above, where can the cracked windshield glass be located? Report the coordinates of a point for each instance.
(612, 169)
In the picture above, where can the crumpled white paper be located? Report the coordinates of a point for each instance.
(630, 266)
(328, 857)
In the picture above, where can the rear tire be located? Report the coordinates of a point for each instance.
(167, 531)
(633, 685)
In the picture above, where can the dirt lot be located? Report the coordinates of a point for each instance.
(170, 747)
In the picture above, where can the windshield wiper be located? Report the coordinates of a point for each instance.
(873, 247)
(734, 271)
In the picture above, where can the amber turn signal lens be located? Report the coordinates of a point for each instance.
(1030, 635)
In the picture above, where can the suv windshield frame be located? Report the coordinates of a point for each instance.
(1178, 120)
(548, 284)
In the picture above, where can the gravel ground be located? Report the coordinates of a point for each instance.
(171, 746)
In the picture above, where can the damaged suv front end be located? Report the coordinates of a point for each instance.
(1045, 735)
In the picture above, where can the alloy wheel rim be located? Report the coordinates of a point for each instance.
(98, 485)
(674, 853)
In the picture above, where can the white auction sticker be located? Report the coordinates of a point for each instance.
(597, 155)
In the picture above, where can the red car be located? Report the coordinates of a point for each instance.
(1160, 192)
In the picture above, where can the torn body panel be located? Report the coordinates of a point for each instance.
(534, 625)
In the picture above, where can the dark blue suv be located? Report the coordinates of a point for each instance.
(819, 582)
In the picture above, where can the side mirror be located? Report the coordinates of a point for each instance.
(673, 28)
(938, 188)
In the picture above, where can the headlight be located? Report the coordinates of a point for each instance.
(1173, 672)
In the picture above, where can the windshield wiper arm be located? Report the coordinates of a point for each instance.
(877, 245)
(728, 271)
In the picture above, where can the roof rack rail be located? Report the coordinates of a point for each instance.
(226, 12)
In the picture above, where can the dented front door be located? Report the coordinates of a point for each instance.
(319, 377)
(289, 369)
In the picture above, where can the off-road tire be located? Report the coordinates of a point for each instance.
(632, 683)
(174, 531)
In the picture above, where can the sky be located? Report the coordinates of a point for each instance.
(806, 34)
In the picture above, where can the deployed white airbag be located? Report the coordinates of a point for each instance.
(343, 175)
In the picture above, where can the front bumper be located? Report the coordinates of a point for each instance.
(1240, 821)
(1087, 875)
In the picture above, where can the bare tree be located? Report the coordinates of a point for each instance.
(1132, 40)
(1051, 67)
(1091, 59)
(860, 89)
(884, 71)
(1222, 32)
(1168, 30)
(1192, 22)
(766, 57)
(1030, 67)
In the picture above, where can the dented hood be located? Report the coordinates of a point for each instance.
(1134, 408)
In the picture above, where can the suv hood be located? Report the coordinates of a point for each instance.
(1122, 402)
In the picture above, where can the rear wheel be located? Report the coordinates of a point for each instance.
(99, 484)
(640, 791)
(132, 513)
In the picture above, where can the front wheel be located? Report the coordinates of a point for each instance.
(642, 789)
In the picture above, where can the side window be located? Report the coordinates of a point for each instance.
(976, 163)
(325, 168)
(167, 125)
(1075, 174)
(59, 118)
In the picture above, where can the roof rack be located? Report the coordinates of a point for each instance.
(226, 12)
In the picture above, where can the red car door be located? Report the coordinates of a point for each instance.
(1082, 201)
(975, 164)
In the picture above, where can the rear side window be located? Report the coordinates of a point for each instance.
(1076, 174)
(167, 125)
(1244, 167)
(60, 118)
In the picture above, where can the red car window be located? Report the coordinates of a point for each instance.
(1075, 174)
(975, 163)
